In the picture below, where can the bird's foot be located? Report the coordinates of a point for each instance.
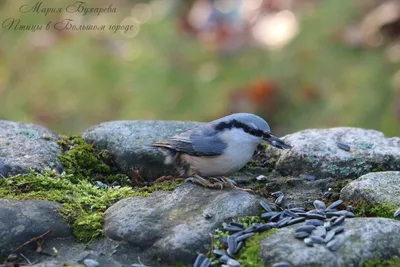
(197, 179)
(234, 185)
(220, 183)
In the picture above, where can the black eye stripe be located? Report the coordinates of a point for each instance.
(236, 124)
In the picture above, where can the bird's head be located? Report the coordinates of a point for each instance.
(255, 128)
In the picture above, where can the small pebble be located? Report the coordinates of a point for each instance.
(91, 263)
(100, 185)
(261, 178)
(115, 183)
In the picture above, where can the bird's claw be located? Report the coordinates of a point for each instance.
(220, 183)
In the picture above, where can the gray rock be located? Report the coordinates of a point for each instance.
(126, 141)
(27, 146)
(23, 220)
(375, 188)
(50, 263)
(316, 152)
(172, 223)
(363, 239)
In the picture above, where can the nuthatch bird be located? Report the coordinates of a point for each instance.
(218, 148)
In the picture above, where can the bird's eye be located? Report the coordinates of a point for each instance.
(266, 135)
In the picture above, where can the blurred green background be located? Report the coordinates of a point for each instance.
(298, 63)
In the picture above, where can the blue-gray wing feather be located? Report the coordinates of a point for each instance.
(202, 141)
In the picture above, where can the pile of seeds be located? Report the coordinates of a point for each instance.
(323, 225)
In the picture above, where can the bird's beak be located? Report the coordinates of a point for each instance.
(276, 142)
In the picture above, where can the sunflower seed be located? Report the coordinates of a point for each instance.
(276, 194)
(274, 218)
(316, 216)
(232, 228)
(290, 213)
(334, 244)
(250, 229)
(350, 214)
(206, 263)
(239, 247)
(306, 228)
(328, 225)
(243, 237)
(301, 235)
(265, 206)
(233, 263)
(329, 236)
(319, 231)
(224, 258)
(314, 222)
(297, 210)
(279, 201)
(238, 224)
(263, 227)
(343, 146)
(219, 252)
(232, 245)
(319, 205)
(317, 239)
(335, 204)
(269, 214)
(308, 241)
(199, 260)
(338, 221)
(397, 213)
(223, 240)
(296, 220)
(338, 229)
(283, 222)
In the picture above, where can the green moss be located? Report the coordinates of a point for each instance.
(249, 256)
(379, 168)
(83, 204)
(365, 209)
(393, 262)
